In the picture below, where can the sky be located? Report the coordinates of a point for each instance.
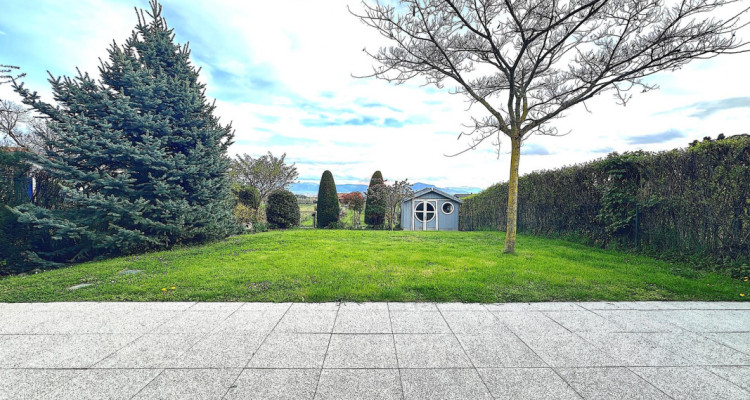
(284, 73)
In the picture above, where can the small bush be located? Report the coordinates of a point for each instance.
(259, 226)
(246, 195)
(283, 210)
(243, 214)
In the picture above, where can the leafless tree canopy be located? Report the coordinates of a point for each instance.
(13, 118)
(20, 128)
(392, 195)
(266, 173)
(527, 61)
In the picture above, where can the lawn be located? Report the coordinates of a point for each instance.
(331, 265)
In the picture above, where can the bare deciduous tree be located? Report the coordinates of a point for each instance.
(527, 61)
(13, 121)
(266, 173)
(19, 127)
(392, 196)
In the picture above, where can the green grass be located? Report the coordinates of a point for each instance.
(330, 265)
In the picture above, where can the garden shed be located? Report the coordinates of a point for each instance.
(430, 209)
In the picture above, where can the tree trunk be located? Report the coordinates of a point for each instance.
(512, 212)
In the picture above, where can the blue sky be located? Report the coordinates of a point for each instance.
(282, 73)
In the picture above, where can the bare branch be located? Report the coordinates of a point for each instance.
(527, 61)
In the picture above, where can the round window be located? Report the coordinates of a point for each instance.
(447, 208)
(424, 212)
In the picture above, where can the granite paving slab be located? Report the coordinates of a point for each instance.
(556, 350)
(151, 351)
(740, 376)
(584, 321)
(640, 320)
(307, 321)
(31, 383)
(738, 341)
(418, 322)
(361, 351)
(275, 384)
(362, 321)
(541, 306)
(360, 384)
(691, 383)
(477, 322)
(633, 349)
(527, 383)
(616, 383)
(530, 323)
(443, 384)
(59, 351)
(412, 307)
(241, 322)
(189, 384)
(292, 350)
(430, 351)
(103, 384)
(698, 350)
(710, 320)
(567, 350)
(219, 350)
(194, 322)
(500, 349)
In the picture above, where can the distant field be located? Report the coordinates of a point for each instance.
(332, 265)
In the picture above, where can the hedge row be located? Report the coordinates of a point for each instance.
(693, 201)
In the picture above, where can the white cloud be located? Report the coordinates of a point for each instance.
(279, 55)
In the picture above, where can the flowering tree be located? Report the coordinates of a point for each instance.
(354, 201)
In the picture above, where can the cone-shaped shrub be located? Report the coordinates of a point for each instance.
(283, 210)
(375, 208)
(328, 201)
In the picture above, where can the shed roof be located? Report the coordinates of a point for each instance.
(438, 191)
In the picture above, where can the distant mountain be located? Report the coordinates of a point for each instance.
(311, 188)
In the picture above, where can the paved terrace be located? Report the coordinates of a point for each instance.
(644, 350)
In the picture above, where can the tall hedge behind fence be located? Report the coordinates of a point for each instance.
(686, 201)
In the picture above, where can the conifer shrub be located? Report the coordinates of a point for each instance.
(282, 210)
(328, 201)
(375, 207)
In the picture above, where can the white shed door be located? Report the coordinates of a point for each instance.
(425, 215)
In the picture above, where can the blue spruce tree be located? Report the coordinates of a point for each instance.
(141, 156)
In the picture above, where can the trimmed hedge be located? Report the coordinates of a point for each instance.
(328, 201)
(282, 210)
(692, 201)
